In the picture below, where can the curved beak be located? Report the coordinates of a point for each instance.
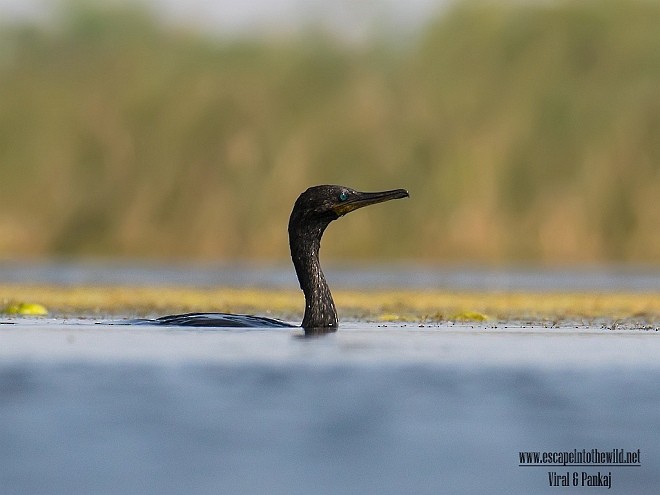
(361, 199)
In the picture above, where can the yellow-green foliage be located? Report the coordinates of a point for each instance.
(524, 131)
(24, 309)
(381, 306)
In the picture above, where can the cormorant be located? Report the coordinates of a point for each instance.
(312, 213)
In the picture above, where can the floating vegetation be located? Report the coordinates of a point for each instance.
(24, 309)
(613, 310)
(469, 316)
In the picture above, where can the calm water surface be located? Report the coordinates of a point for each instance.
(412, 276)
(88, 408)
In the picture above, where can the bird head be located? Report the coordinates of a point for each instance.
(329, 202)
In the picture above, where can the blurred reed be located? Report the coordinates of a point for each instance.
(524, 132)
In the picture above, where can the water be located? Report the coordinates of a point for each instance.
(95, 408)
(102, 409)
(403, 276)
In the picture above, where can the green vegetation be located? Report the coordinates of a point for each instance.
(524, 131)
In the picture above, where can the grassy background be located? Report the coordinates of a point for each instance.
(524, 132)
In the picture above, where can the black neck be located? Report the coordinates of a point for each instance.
(305, 242)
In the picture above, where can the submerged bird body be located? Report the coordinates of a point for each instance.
(220, 320)
(312, 213)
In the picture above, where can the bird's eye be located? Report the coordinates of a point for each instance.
(343, 196)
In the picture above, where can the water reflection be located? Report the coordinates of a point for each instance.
(311, 333)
